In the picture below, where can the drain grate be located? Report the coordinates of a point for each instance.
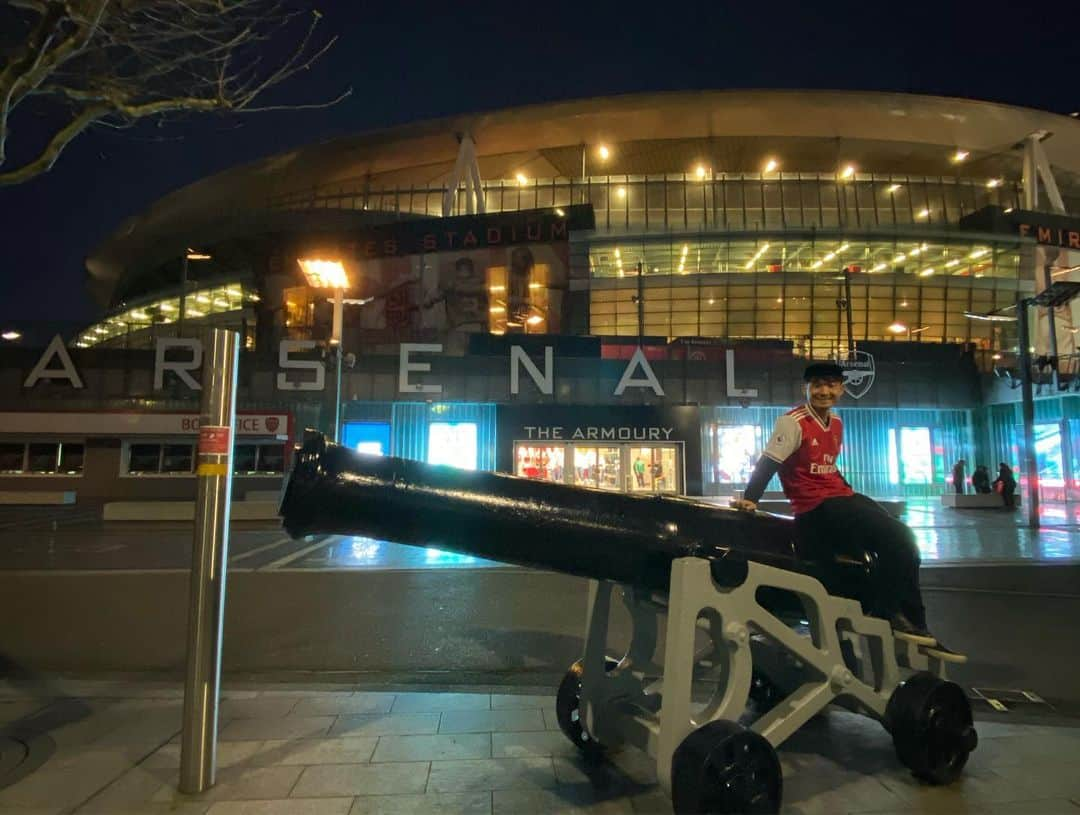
(13, 754)
(1004, 700)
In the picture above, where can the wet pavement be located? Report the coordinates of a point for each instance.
(76, 539)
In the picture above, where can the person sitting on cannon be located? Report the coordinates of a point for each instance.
(831, 518)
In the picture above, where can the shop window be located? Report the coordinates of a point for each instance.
(177, 458)
(12, 457)
(41, 458)
(259, 459)
(735, 452)
(598, 467)
(916, 458)
(1048, 455)
(542, 463)
(452, 443)
(144, 458)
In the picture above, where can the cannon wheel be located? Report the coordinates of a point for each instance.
(723, 767)
(931, 725)
(568, 709)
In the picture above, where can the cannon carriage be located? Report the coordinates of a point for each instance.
(738, 636)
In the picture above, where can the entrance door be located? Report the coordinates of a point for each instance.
(452, 443)
(599, 467)
(653, 469)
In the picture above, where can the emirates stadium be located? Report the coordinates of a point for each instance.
(618, 293)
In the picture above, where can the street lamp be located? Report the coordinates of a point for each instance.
(11, 335)
(330, 274)
(190, 254)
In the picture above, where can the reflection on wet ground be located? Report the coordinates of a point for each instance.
(73, 538)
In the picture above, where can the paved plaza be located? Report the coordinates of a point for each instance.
(112, 748)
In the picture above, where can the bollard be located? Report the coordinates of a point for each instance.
(214, 464)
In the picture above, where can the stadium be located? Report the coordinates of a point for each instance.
(618, 293)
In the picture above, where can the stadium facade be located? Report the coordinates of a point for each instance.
(617, 292)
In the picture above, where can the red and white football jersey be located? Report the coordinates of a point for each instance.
(807, 451)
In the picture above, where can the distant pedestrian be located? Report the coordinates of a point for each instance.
(980, 480)
(1005, 484)
(958, 476)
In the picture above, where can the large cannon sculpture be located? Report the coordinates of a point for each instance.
(758, 637)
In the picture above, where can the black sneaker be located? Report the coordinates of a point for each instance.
(944, 653)
(905, 629)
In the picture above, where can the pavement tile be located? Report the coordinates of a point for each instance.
(258, 708)
(471, 803)
(229, 754)
(349, 750)
(500, 701)
(1042, 806)
(290, 806)
(282, 727)
(238, 783)
(438, 702)
(491, 774)
(404, 724)
(565, 800)
(66, 779)
(551, 721)
(975, 788)
(433, 748)
(361, 779)
(132, 791)
(828, 789)
(532, 743)
(347, 705)
(655, 802)
(473, 721)
(1055, 776)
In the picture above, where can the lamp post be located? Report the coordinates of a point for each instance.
(190, 254)
(330, 274)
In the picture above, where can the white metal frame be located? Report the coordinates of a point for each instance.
(844, 656)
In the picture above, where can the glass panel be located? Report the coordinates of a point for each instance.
(144, 458)
(11, 458)
(368, 437)
(42, 457)
(916, 455)
(1048, 455)
(71, 458)
(177, 458)
(452, 443)
(541, 463)
(272, 458)
(653, 469)
(735, 453)
(244, 458)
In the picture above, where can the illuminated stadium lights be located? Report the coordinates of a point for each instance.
(700, 171)
(559, 212)
(897, 328)
(521, 178)
(323, 274)
(771, 165)
(603, 152)
(848, 171)
(842, 248)
(951, 263)
(621, 192)
(497, 309)
(193, 312)
(757, 256)
(929, 270)
(903, 304)
(880, 267)
(816, 264)
(899, 258)
(535, 319)
(978, 253)
(10, 335)
(496, 289)
(892, 189)
(994, 182)
(923, 213)
(959, 156)
(830, 256)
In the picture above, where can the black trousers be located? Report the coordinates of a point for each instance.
(855, 524)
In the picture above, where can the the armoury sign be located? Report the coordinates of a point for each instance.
(858, 373)
(177, 359)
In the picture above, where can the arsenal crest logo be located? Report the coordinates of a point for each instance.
(858, 373)
(271, 424)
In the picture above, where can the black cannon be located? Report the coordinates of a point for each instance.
(750, 618)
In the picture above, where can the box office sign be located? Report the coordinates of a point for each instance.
(123, 424)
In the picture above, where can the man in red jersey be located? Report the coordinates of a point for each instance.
(830, 516)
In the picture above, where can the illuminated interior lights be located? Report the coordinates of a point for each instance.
(879, 267)
(892, 189)
(699, 171)
(959, 156)
(603, 152)
(848, 171)
(897, 328)
(521, 178)
(929, 270)
(621, 192)
(771, 165)
(994, 182)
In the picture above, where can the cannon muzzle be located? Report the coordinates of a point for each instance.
(580, 531)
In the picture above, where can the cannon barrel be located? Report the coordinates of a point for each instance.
(585, 532)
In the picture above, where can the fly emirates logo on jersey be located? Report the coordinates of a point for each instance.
(827, 467)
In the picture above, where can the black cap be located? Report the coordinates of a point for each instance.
(822, 370)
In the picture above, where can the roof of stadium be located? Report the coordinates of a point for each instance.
(729, 131)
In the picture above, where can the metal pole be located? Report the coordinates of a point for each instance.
(339, 317)
(1031, 467)
(640, 304)
(847, 306)
(202, 687)
(183, 297)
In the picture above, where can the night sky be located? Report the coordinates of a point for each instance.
(409, 61)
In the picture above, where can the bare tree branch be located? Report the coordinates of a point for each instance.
(83, 63)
